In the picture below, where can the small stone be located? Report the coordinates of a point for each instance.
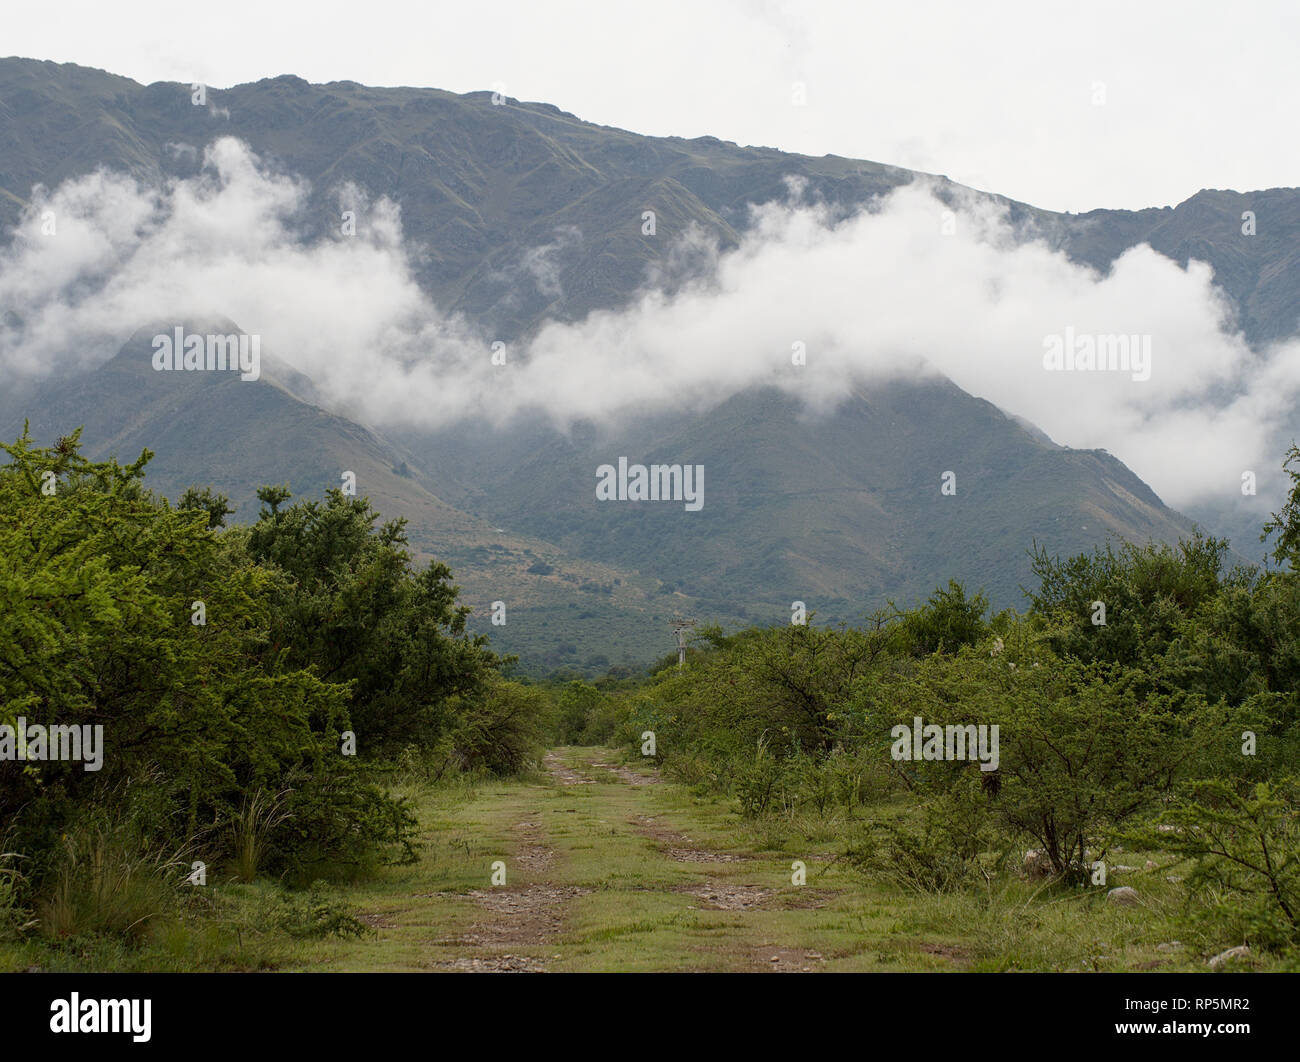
(1150, 865)
(1240, 952)
(1172, 945)
(775, 958)
(1125, 895)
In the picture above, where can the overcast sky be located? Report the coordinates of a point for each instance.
(1001, 96)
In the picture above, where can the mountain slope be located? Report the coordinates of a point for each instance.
(481, 184)
(210, 428)
(522, 213)
(842, 511)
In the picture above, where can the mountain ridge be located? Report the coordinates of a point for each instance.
(514, 512)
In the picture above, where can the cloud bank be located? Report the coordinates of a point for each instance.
(906, 286)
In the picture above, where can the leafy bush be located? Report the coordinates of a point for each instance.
(576, 704)
(313, 915)
(221, 664)
(1245, 841)
(13, 915)
(337, 822)
(947, 621)
(353, 607)
(1148, 591)
(759, 784)
(504, 728)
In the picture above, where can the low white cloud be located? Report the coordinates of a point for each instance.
(896, 289)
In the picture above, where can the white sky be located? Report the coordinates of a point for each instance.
(1198, 93)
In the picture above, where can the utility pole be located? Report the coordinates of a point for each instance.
(680, 627)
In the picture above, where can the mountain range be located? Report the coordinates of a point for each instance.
(843, 511)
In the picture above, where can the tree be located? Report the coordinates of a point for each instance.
(357, 611)
(117, 611)
(947, 621)
(217, 506)
(1285, 525)
(1082, 748)
(575, 703)
(1245, 841)
(1147, 593)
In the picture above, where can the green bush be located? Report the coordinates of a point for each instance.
(760, 784)
(576, 704)
(1244, 841)
(221, 664)
(335, 823)
(352, 606)
(314, 914)
(946, 622)
(504, 728)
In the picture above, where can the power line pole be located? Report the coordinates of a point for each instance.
(680, 627)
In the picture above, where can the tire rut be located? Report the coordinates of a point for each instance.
(522, 918)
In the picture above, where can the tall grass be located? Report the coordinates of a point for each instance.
(12, 914)
(108, 881)
(251, 828)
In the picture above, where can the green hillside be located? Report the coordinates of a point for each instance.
(563, 610)
(842, 512)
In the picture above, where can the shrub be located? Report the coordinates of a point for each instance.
(314, 915)
(758, 784)
(1082, 748)
(576, 702)
(353, 606)
(13, 915)
(336, 822)
(949, 850)
(1245, 841)
(946, 622)
(504, 728)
